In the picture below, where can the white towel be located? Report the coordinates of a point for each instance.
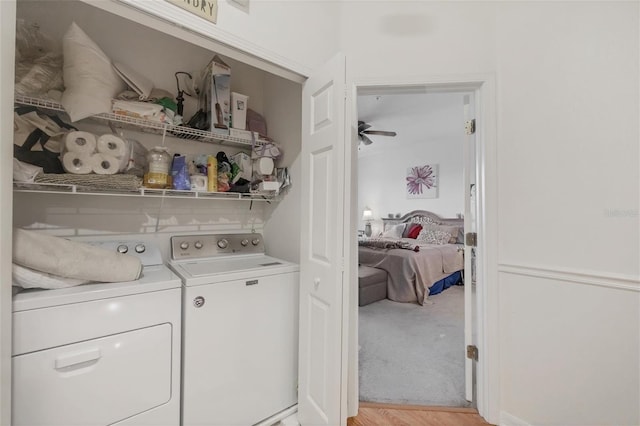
(29, 278)
(72, 259)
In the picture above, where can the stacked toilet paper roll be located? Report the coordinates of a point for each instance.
(112, 155)
(78, 149)
(84, 153)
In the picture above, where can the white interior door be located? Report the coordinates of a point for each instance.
(470, 226)
(320, 387)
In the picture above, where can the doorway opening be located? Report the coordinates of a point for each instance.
(413, 350)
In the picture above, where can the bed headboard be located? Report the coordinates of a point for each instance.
(422, 216)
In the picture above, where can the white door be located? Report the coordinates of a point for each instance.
(320, 387)
(470, 226)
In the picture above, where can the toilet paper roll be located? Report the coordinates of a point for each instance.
(78, 141)
(264, 165)
(112, 145)
(78, 163)
(105, 164)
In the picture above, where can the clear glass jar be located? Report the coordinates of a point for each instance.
(158, 165)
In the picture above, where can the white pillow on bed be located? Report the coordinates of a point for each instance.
(394, 231)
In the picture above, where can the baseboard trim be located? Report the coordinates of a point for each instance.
(507, 419)
(615, 281)
(417, 407)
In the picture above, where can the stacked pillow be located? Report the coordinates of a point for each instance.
(394, 231)
(438, 234)
(413, 230)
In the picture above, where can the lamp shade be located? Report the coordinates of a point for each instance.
(367, 214)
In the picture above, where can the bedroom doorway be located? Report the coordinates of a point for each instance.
(399, 126)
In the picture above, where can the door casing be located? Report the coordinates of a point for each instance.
(483, 88)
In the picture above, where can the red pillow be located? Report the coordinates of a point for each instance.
(414, 231)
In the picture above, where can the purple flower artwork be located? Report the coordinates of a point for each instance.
(422, 181)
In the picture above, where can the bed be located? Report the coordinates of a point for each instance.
(418, 263)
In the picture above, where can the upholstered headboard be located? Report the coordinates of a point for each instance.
(450, 228)
(422, 216)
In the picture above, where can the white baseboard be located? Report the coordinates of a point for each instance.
(507, 419)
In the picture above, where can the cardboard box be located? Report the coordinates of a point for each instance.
(242, 134)
(239, 107)
(215, 96)
(243, 160)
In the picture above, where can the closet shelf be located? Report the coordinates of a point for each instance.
(56, 188)
(145, 125)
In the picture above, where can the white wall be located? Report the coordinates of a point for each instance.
(429, 130)
(567, 150)
(302, 31)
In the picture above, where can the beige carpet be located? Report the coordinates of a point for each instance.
(412, 354)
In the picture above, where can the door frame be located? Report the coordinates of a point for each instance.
(483, 88)
(7, 59)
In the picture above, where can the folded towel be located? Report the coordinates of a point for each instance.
(72, 259)
(29, 278)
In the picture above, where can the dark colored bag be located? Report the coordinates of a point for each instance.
(48, 160)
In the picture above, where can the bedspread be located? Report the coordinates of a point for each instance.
(411, 273)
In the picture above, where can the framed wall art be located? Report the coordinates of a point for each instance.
(422, 181)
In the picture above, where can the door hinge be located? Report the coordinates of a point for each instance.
(471, 239)
(472, 352)
(470, 126)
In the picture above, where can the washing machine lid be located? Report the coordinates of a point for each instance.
(154, 278)
(207, 271)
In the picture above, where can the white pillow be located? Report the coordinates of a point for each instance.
(89, 79)
(395, 231)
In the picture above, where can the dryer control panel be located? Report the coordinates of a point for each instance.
(207, 246)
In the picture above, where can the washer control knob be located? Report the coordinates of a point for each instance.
(198, 302)
(223, 243)
(255, 241)
(140, 248)
(122, 248)
(244, 242)
(184, 245)
(198, 245)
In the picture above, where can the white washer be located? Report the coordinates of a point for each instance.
(100, 353)
(240, 330)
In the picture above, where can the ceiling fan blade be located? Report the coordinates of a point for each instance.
(362, 126)
(366, 140)
(379, 132)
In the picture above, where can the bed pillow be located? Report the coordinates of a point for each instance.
(89, 79)
(452, 230)
(394, 231)
(434, 234)
(414, 231)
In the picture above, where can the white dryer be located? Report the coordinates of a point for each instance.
(100, 354)
(240, 330)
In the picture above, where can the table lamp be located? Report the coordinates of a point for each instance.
(367, 216)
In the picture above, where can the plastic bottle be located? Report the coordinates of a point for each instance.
(159, 162)
(212, 174)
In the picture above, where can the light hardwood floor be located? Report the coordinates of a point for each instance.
(372, 414)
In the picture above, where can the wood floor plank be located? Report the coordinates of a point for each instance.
(411, 415)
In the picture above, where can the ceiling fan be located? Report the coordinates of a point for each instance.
(363, 132)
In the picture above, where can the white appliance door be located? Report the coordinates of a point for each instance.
(322, 233)
(96, 382)
(240, 350)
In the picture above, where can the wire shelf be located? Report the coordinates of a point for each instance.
(57, 188)
(145, 125)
